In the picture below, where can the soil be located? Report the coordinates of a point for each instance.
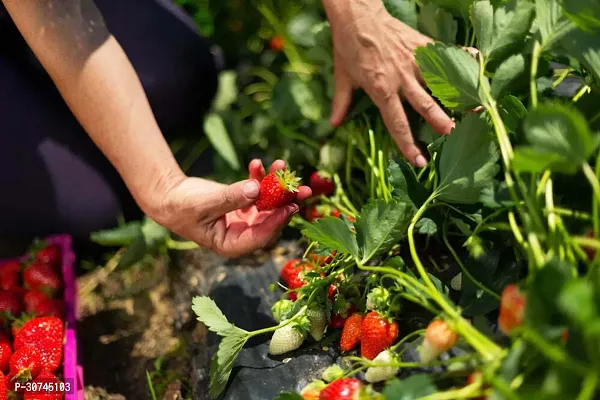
(139, 321)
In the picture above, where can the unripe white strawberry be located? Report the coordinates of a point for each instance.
(379, 374)
(439, 337)
(318, 323)
(286, 339)
(282, 309)
(378, 299)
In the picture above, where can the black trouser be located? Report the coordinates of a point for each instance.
(54, 179)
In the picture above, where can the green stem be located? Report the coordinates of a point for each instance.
(284, 323)
(406, 338)
(561, 77)
(584, 89)
(177, 245)
(463, 268)
(588, 389)
(593, 180)
(535, 59)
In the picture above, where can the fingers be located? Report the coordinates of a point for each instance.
(304, 192)
(242, 239)
(256, 170)
(395, 120)
(425, 105)
(277, 164)
(233, 197)
(342, 97)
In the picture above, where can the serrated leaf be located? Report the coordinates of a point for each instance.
(559, 137)
(217, 135)
(551, 21)
(512, 22)
(154, 234)
(482, 18)
(452, 75)
(306, 99)
(411, 388)
(134, 253)
(222, 362)
(334, 234)
(585, 47)
(426, 226)
(405, 185)
(403, 10)
(459, 8)
(584, 13)
(508, 72)
(467, 161)
(577, 302)
(121, 236)
(210, 315)
(512, 111)
(437, 23)
(381, 225)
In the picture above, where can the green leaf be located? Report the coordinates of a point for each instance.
(134, 253)
(560, 139)
(403, 10)
(121, 236)
(154, 234)
(405, 184)
(467, 161)
(512, 111)
(334, 234)
(300, 29)
(452, 75)
(585, 47)
(459, 8)
(551, 21)
(426, 226)
(218, 137)
(512, 23)
(411, 388)
(381, 225)
(307, 100)
(482, 18)
(222, 362)
(227, 92)
(437, 23)
(584, 13)
(577, 302)
(507, 73)
(210, 315)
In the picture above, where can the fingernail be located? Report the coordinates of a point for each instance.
(251, 189)
(420, 162)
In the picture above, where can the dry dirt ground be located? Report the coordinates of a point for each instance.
(139, 321)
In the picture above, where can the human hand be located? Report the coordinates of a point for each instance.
(375, 51)
(223, 218)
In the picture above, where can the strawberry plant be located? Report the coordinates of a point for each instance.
(510, 200)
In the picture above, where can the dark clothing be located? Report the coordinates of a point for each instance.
(54, 179)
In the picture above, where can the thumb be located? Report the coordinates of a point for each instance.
(233, 197)
(342, 97)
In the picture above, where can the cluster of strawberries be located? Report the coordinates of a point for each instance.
(32, 313)
(321, 184)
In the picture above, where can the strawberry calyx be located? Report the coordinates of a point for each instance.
(23, 376)
(288, 179)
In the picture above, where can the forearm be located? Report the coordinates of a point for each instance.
(102, 89)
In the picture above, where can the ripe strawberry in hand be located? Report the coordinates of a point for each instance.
(342, 389)
(439, 338)
(42, 277)
(351, 332)
(277, 189)
(25, 364)
(321, 184)
(10, 275)
(377, 335)
(512, 309)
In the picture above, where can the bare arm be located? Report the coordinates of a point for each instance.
(100, 86)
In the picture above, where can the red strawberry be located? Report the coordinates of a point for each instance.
(339, 319)
(10, 275)
(321, 184)
(51, 255)
(512, 309)
(312, 214)
(331, 292)
(5, 355)
(351, 218)
(42, 277)
(39, 304)
(351, 333)
(277, 189)
(342, 389)
(39, 329)
(48, 388)
(336, 213)
(322, 260)
(51, 353)
(3, 387)
(291, 269)
(25, 363)
(377, 335)
(277, 42)
(11, 305)
(439, 337)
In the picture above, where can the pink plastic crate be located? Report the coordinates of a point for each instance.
(72, 369)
